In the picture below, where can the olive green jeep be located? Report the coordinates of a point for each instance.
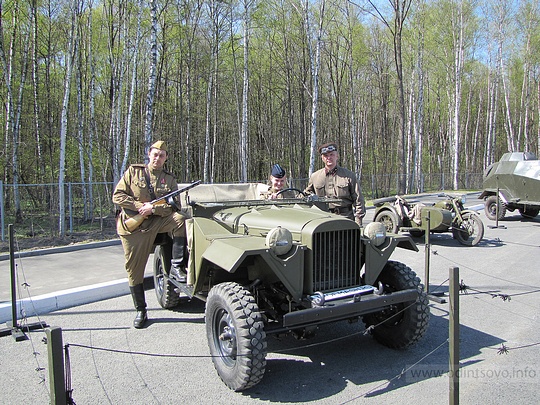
(286, 265)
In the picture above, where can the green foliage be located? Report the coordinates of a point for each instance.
(357, 99)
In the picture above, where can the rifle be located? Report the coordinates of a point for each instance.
(136, 220)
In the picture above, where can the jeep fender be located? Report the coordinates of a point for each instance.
(215, 246)
(377, 257)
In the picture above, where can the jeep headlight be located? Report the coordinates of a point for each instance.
(375, 231)
(279, 240)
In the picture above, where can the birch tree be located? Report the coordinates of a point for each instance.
(192, 14)
(315, 67)
(69, 58)
(401, 10)
(458, 44)
(92, 110)
(246, 23)
(36, 91)
(529, 22)
(134, 63)
(502, 15)
(11, 124)
(215, 14)
(149, 116)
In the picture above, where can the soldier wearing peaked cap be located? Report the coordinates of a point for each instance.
(277, 183)
(139, 185)
(337, 182)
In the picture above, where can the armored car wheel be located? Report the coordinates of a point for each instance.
(470, 231)
(390, 221)
(490, 208)
(236, 335)
(164, 288)
(400, 325)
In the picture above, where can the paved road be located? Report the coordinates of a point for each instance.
(167, 362)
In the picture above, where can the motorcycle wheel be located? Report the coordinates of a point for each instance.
(470, 231)
(390, 221)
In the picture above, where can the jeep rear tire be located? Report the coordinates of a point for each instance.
(490, 208)
(164, 288)
(400, 325)
(236, 336)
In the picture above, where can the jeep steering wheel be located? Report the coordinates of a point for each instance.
(298, 192)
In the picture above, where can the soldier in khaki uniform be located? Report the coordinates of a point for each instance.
(337, 182)
(278, 182)
(139, 185)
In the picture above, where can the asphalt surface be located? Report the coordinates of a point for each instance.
(168, 362)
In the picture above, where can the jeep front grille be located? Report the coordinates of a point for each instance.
(336, 259)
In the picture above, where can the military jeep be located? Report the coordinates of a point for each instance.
(287, 265)
(512, 183)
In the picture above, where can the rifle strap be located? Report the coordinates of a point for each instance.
(148, 184)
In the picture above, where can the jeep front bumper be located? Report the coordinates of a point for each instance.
(344, 309)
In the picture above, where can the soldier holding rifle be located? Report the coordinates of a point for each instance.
(134, 193)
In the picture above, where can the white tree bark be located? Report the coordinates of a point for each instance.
(149, 120)
(245, 92)
(127, 138)
(316, 64)
(72, 47)
(456, 102)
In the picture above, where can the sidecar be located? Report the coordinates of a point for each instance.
(399, 215)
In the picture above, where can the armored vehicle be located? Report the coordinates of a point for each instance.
(286, 266)
(516, 178)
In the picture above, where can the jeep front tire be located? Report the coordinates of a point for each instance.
(236, 336)
(399, 325)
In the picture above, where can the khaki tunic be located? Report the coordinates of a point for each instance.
(271, 190)
(130, 194)
(340, 183)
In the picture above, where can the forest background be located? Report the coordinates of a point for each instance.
(411, 90)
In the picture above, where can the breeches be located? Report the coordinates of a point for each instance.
(139, 244)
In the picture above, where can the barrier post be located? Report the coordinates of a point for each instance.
(454, 336)
(57, 382)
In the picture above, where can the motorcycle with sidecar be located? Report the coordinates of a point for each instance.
(448, 215)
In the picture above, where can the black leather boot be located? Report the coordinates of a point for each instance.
(137, 293)
(178, 265)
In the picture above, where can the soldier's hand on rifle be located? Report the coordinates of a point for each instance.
(146, 209)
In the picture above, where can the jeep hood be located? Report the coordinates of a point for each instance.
(260, 219)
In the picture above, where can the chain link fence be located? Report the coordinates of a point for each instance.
(88, 206)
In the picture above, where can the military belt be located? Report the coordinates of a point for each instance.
(341, 210)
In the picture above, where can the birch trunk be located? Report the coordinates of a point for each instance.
(10, 137)
(456, 101)
(72, 46)
(315, 91)
(17, 126)
(419, 119)
(80, 137)
(245, 92)
(148, 125)
(127, 138)
(35, 81)
(92, 112)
